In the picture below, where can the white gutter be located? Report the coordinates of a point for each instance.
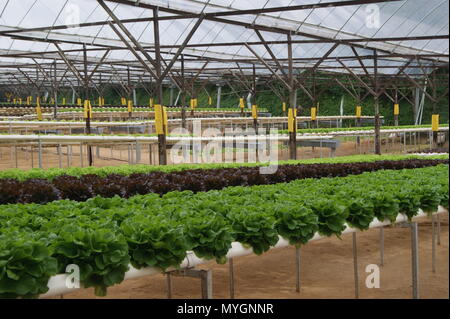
(57, 284)
(115, 138)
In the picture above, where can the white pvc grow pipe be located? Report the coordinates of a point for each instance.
(115, 138)
(57, 284)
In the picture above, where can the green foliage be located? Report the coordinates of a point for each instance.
(102, 236)
(126, 170)
(26, 264)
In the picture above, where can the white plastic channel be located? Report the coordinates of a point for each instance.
(57, 284)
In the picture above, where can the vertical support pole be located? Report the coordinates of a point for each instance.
(355, 266)
(40, 153)
(59, 156)
(81, 155)
(433, 243)
(86, 97)
(219, 95)
(169, 285)
(297, 269)
(15, 156)
(292, 104)
(206, 278)
(231, 277)
(162, 147)
(32, 156)
(415, 259)
(377, 107)
(134, 97)
(438, 229)
(55, 92)
(255, 120)
(381, 246)
(183, 95)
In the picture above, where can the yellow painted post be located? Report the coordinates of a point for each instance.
(209, 101)
(159, 120)
(87, 109)
(130, 106)
(358, 111)
(435, 122)
(255, 112)
(291, 121)
(38, 109)
(313, 114)
(284, 107)
(64, 101)
(79, 102)
(151, 102)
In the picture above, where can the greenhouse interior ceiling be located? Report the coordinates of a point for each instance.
(216, 39)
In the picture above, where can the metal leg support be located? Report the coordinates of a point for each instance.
(355, 266)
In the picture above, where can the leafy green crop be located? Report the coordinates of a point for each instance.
(126, 170)
(104, 235)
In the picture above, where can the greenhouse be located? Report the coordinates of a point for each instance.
(224, 149)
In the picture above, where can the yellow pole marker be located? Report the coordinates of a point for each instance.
(209, 101)
(86, 109)
(130, 106)
(79, 102)
(255, 111)
(159, 120)
(52, 101)
(313, 113)
(435, 122)
(64, 101)
(20, 101)
(291, 121)
(241, 103)
(284, 107)
(38, 109)
(151, 102)
(396, 109)
(14, 101)
(358, 111)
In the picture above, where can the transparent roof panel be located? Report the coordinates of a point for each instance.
(406, 18)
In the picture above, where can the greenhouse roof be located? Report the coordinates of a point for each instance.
(221, 37)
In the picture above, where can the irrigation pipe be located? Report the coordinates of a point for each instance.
(57, 284)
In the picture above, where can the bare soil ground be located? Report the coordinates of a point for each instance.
(326, 271)
(22, 156)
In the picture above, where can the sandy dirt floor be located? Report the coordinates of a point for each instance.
(326, 271)
(22, 156)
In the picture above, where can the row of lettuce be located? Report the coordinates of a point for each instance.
(126, 170)
(103, 236)
(42, 191)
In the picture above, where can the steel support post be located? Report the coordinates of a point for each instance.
(381, 246)
(231, 277)
(415, 259)
(433, 243)
(40, 153)
(205, 277)
(297, 269)
(355, 266)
